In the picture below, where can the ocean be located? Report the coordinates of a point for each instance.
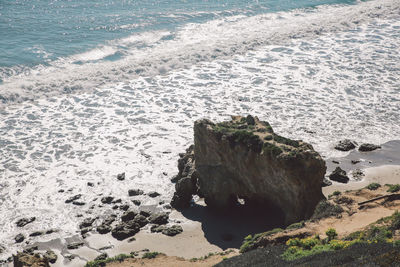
(90, 89)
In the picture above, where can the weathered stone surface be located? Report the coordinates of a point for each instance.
(125, 230)
(246, 160)
(159, 218)
(128, 215)
(173, 230)
(345, 145)
(24, 221)
(34, 260)
(339, 175)
(368, 147)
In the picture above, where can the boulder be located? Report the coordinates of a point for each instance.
(135, 192)
(128, 215)
(125, 230)
(245, 160)
(24, 259)
(345, 145)
(159, 218)
(86, 223)
(153, 194)
(24, 221)
(140, 220)
(121, 176)
(368, 147)
(19, 238)
(339, 175)
(173, 230)
(107, 200)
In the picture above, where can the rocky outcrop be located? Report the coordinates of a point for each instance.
(26, 259)
(245, 160)
(345, 145)
(368, 147)
(339, 175)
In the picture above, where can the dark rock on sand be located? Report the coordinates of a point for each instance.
(157, 228)
(19, 238)
(153, 194)
(51, 256)
(128, 215)
(135, 192)
(24, 221)
(109, 219)
(103, 229)
(78, 203)
(73, 198)
(140, 220)
(345, 145)
(124, 207)
(125, 230)
(159, 218)
(24, 259)
(339, 175)
(107, 200)
(368, 147)
(358, 174)
(90, 184)
(121, 176)
(353, 161)
(75, 245)
(37, 233)
(173, 230)
(326, 182)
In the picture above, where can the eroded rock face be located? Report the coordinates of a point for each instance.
(244, 159)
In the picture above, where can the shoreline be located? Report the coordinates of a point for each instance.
(204, 232)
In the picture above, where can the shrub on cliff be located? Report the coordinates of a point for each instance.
(326, 209)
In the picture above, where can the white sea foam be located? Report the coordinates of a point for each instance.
(320, 87)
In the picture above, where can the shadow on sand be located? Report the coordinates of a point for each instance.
(228, 229)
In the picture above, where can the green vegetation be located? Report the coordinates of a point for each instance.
(250, 241)
(297, 225)
(118, 258)
(326, 209)
(331, 234)
(373, 186)
(271, 149)
(150, 255)
(393, 188)
(286, 141)
(334, 194)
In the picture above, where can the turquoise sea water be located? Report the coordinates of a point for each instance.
(90, 89)
(38, 31)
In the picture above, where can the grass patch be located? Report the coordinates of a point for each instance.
(335, 193)
(297, 225)
(393, 188)
(325, 209)
(373, 186)
(271, 149)
(286, 141)
(118, 258)
(150, 255)
(250, 242)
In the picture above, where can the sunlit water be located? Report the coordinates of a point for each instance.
(120, 93)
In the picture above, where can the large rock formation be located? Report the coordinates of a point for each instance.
(244, 159)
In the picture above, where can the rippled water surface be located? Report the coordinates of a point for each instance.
(319, 74)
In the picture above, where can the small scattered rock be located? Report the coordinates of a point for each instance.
(69, 257)
(159, 218)
(339, 175)
(326, 182)
(75, 245)
(124, 207)
(37, 233)
(135, 192)
(90, 184)
(78, 203)
(335, 161)
(353, 161)
(117, 201)
(140, 220)
(128, 215)
(167, 206)
(358, 174)
(73, 198)
(345, 145)
(51, 256)
(173, 230)
(153, 194)
(106, 247)
(24, 221)
(61, 191)
(103, 229)
(131, 239)
(121, 176)
(368, 147)
(87, 222)
(107, 200)
(145, 213)
(19, 238)
(136, 202)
